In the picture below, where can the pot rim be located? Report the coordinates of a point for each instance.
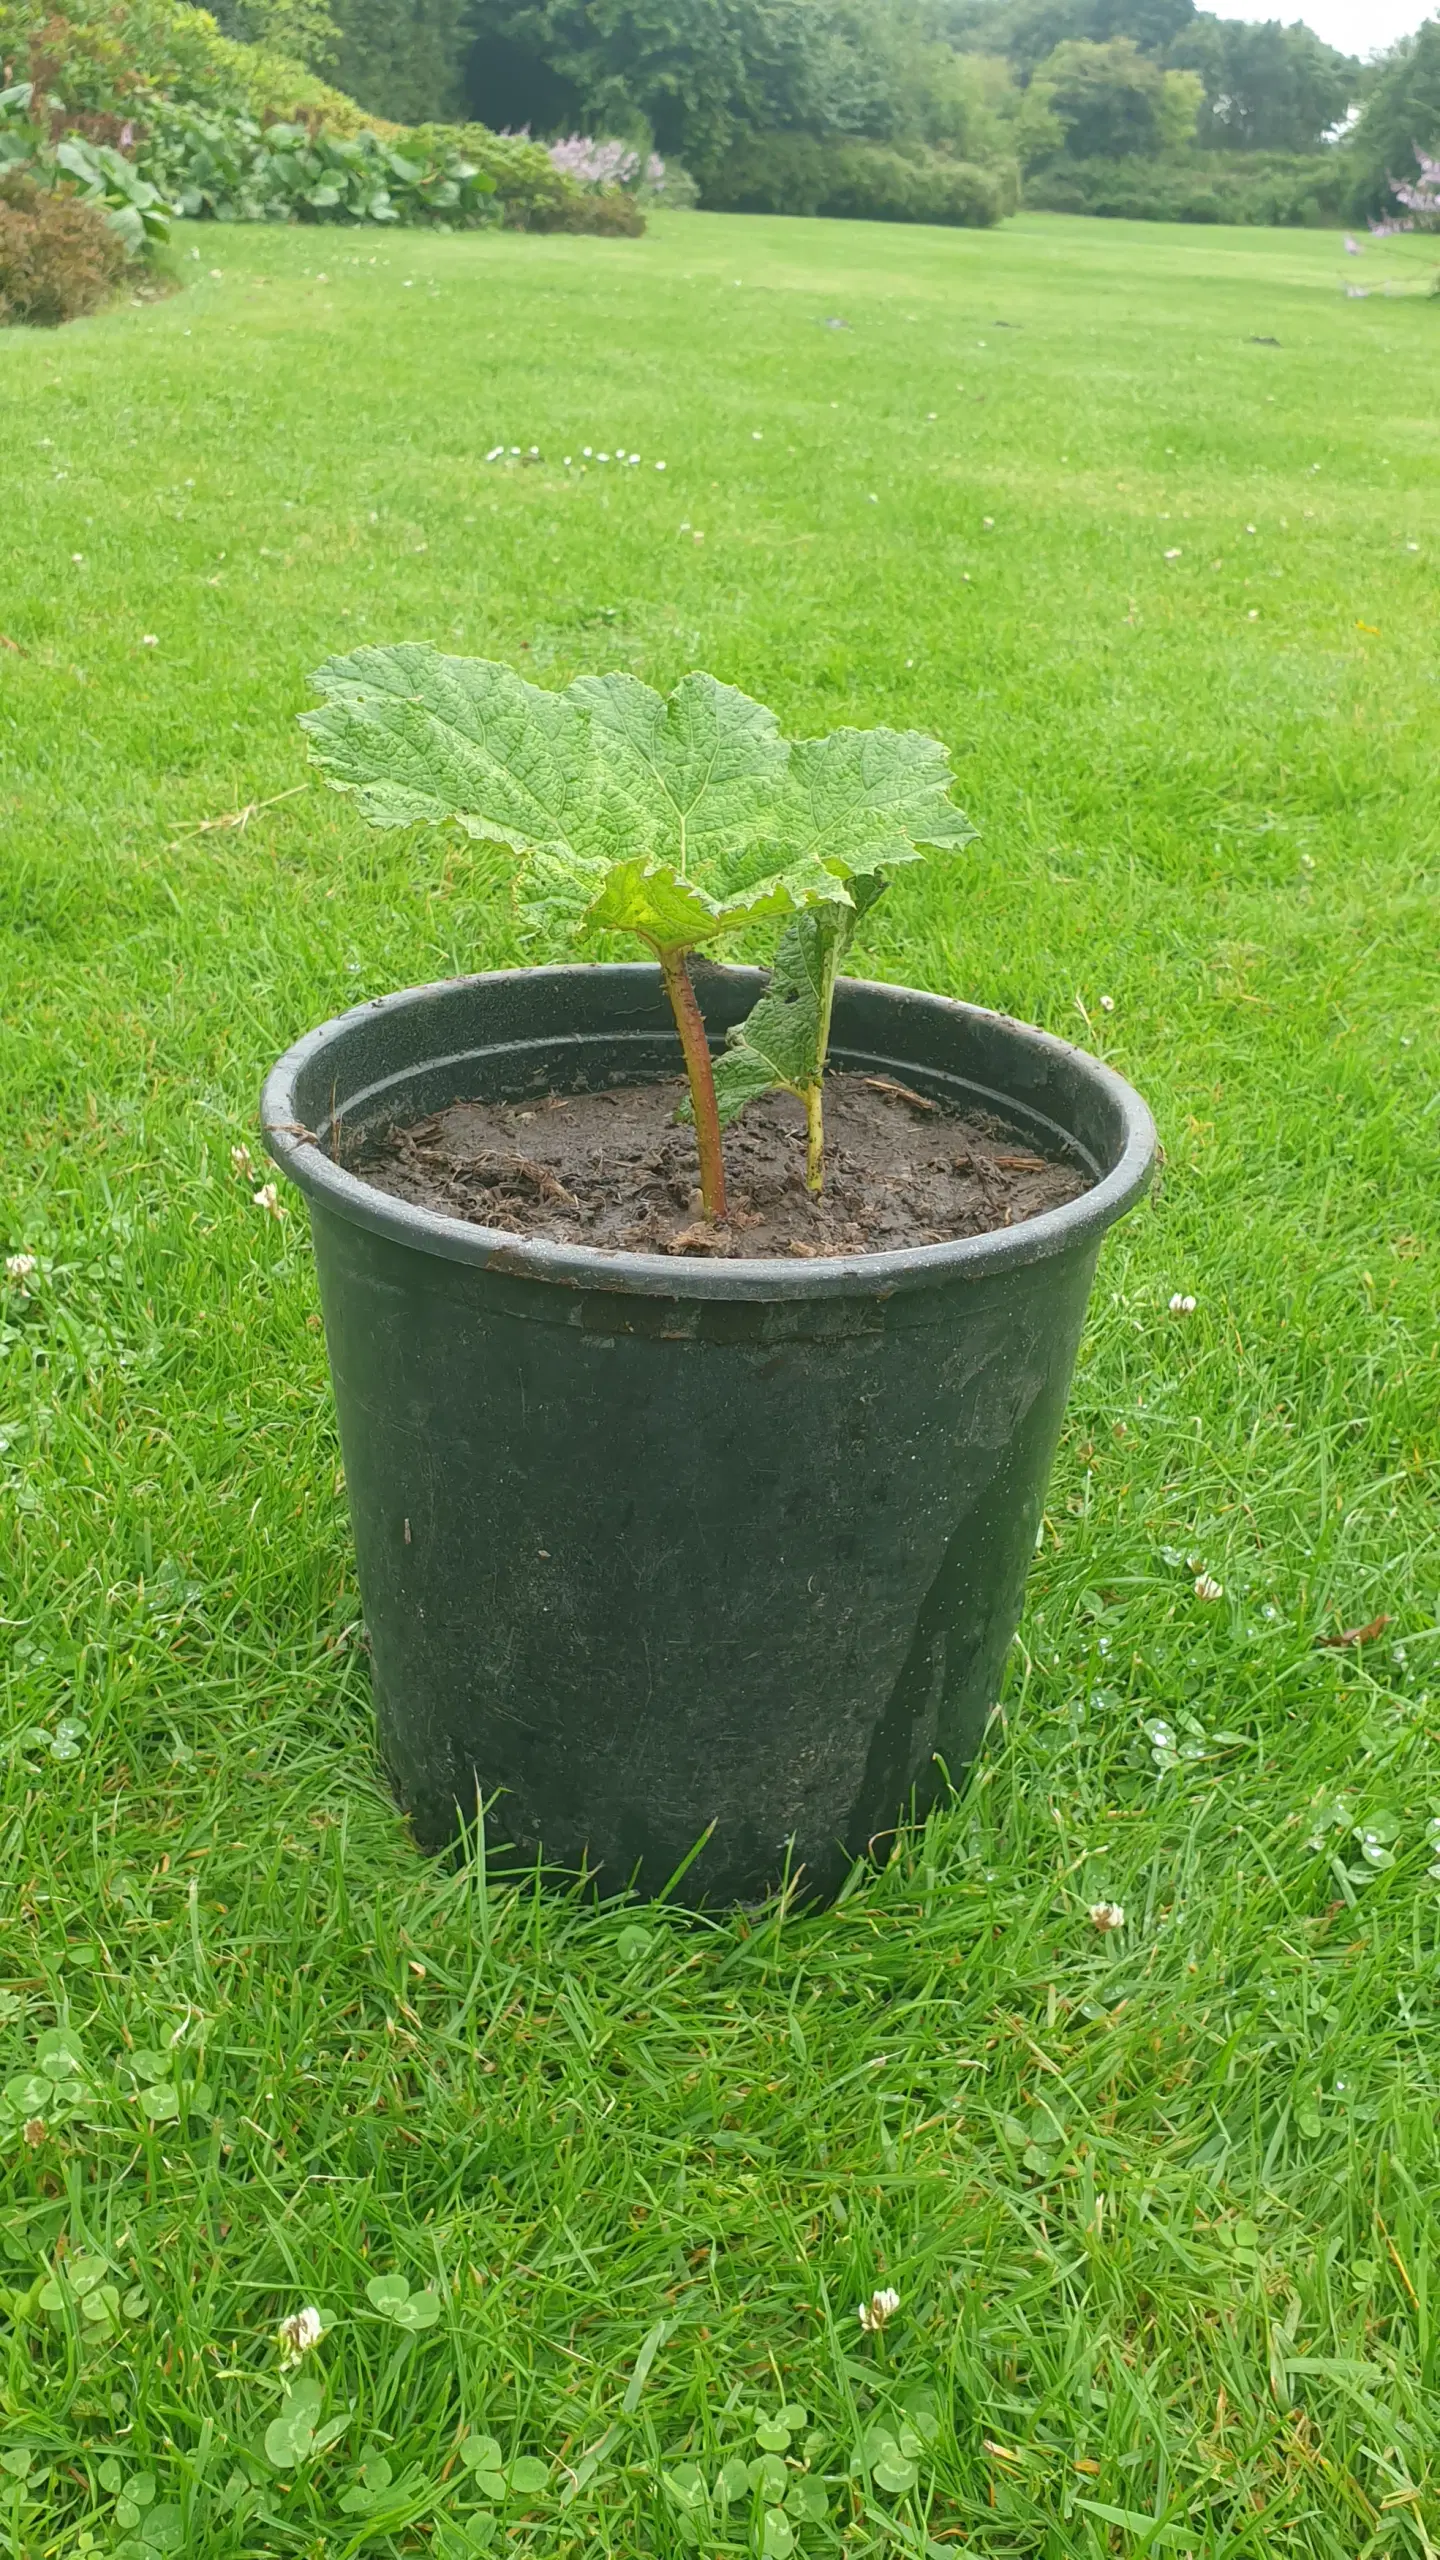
(330, 1186)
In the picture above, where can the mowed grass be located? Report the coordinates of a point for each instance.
(1159, 2204)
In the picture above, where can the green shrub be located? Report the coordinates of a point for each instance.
(59, 257)
(103, 177)
(532, 194)
(105, 56)
(1245, 187)
(795, 173)
(160, 110)
(237, 170)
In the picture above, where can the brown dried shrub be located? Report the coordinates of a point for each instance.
(58, 256)
(606, 210)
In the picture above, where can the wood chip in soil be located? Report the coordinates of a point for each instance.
(615, 1171)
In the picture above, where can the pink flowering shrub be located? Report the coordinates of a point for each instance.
(1420, 197)
(607, 164)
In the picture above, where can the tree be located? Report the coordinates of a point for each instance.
(1112, 104)
(698, 74)
(1267, 88)
(1400, 119)
(1027, 31)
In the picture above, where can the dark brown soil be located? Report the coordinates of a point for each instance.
(614, 1171)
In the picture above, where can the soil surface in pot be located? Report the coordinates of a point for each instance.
(614, 1171)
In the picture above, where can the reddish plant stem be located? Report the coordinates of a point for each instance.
(675, 969)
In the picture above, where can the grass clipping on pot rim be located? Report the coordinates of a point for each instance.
(677, 818)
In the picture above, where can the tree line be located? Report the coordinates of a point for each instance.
(1061, 89)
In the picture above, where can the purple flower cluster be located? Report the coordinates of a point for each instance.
(605, 164)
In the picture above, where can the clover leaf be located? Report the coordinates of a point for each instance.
(295, 2437)
(889, 2457)
(677, 818)
(769, 2478)
(368, 2493)
(482, 2458)
(773, 2431)
(392, 2298)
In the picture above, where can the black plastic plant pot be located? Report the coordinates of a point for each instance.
(673, 1560)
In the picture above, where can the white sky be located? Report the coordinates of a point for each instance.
(1356, 26)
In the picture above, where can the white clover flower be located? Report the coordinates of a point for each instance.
(1107, 1004)
(297, 2335)
(78, 557)
(660, 467)
(1107, 1916)
(242, 1159)
(987, 524)
(494, 453)
(1182, 1306)
(882, 2306)
(149, 640)
(586, 450)
(268, 1198)
(18, 1266)
(1254, 614)
(1207, 1588)
(1172, 555)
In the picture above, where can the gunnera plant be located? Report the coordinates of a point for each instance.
(677, 818)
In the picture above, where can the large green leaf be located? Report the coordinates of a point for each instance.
(674, 817)
(868, 798)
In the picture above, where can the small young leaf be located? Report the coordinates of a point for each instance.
(160, 2101)
(528, 2476)
(772, 2435)
(782, 1043)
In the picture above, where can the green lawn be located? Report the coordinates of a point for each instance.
(1159, 2205)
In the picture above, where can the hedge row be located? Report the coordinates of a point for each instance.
(859, 181)
(1238, 187)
